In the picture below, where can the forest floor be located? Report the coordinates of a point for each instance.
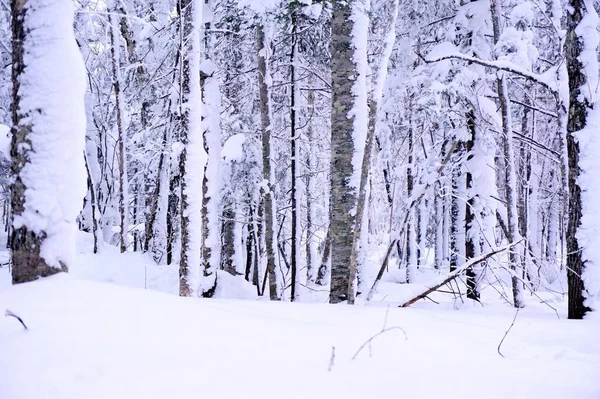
(110, 338)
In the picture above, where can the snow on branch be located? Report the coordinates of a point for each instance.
(501, 65)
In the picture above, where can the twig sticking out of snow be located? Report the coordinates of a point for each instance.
(368, 342)
(8, 313)
(332, 359)
(507, 331)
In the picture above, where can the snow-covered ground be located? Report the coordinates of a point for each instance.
(90, 339)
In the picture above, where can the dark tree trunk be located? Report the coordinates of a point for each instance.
(411, 250)
(577, 121)
(93, 203)
(228, 235)
(155, 196)
(294, 153)
(470, 222)
(172, 214)
(323, 270)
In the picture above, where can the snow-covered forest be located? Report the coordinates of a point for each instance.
(436, 155)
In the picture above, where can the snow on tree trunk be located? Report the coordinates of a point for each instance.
(211, 187)
(193, 157)
(457, 217)
(360, 35)
(48, 141)
(583, 145)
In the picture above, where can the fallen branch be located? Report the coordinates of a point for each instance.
(458, 272)
(8, 313)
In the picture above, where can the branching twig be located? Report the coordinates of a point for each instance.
(368, 342)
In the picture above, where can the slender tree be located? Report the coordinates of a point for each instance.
(267, 189)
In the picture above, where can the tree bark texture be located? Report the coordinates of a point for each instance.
(267, 192)
(578, 111)
(343, 196)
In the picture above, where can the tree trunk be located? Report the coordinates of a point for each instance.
(93, 204)
(211, 248)
(228, 233)
(48, 138)
(309, 190)
(344, 134)
(267, 192)
(115, 50)
(159, 188)
(294, 239)
(509, 161)
(457, 224)
(580, 106)
(192, 159)
(323, 270)
(411, 239)
(471, 238)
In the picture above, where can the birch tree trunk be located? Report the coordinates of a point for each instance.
(509, 161)
(268, 186)
(343, 196)
(309, 190)
(376, 96)
(115, 50)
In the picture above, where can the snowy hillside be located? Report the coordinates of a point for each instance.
(97, 340)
